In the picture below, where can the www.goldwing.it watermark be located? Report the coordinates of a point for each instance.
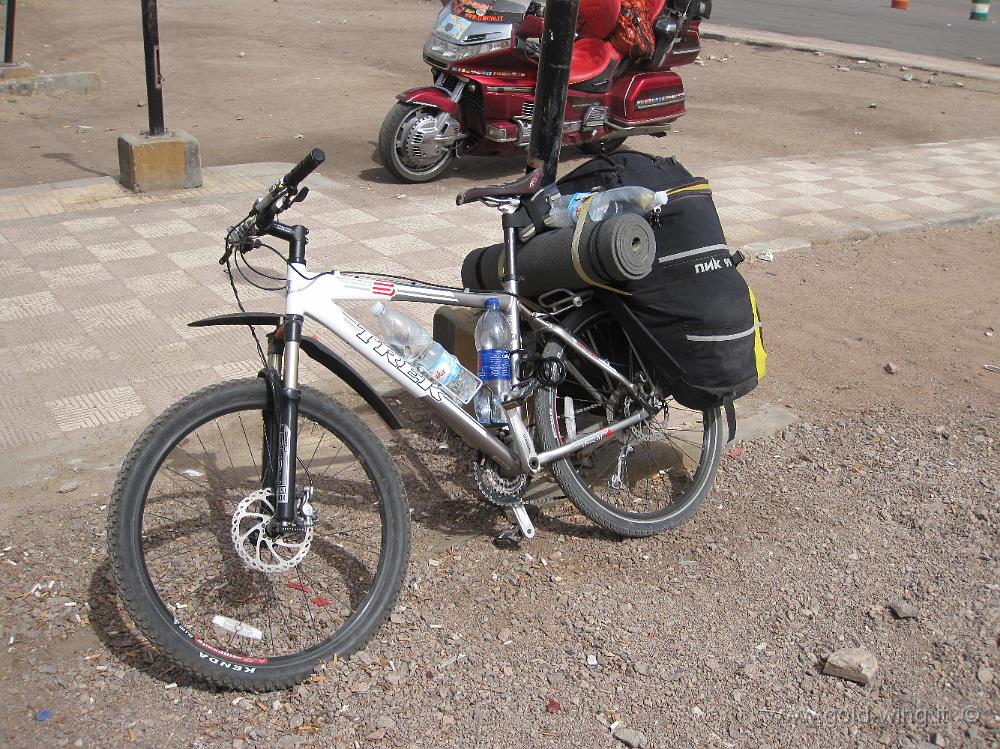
(919, 716)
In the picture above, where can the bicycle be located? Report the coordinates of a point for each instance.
(258, 527)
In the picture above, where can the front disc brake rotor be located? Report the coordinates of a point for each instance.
(255, 547)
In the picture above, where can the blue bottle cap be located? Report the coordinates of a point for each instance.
(492, 303)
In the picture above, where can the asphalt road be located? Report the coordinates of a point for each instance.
(931, 27)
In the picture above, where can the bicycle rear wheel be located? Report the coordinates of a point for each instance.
(646, 479)
(195, 567)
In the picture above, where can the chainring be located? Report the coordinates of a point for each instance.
(496, 488)
(255, 547)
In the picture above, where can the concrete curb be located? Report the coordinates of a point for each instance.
(852, 51)
(82, 83)
(761, 250)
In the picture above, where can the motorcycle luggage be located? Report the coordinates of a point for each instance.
(647, 96)
(694, 313)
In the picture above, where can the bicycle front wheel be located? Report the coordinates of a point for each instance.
(646, 479)
(198, 572)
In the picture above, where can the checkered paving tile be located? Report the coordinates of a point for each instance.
(97, 285)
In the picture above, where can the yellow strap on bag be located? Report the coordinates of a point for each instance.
(575, 250)
(760, 355)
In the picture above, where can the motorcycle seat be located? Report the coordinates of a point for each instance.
(593, 59)
(598, 17)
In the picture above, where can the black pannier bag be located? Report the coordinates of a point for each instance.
(694, 313)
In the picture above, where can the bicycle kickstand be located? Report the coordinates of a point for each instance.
(523, 528)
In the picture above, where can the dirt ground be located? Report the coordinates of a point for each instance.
(712, 635)
(326, 74)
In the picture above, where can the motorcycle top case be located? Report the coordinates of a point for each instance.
(694, 313)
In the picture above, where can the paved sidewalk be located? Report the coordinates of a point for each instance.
(964, 68)
(97, 285)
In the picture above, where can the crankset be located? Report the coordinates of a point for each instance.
(507, 492)
(497, 488)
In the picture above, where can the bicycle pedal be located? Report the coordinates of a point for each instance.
(509, 539)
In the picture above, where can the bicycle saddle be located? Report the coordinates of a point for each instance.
(526, 185)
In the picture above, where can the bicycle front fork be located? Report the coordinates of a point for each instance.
(280, 459)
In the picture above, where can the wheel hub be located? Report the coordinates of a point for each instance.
(252, 542)
(421, 139)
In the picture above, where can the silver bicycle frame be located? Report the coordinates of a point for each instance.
(315, 296)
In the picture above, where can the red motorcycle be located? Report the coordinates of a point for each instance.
(483, 55)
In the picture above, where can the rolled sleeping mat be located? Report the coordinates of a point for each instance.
(621, 248)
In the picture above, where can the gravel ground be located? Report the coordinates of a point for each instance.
(885, 492)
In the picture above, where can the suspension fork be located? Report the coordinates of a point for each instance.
(287, 427)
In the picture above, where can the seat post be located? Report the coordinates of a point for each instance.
(510, 285)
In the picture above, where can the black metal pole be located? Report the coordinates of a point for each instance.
(151, 46)
(551, 88)
(8, 34)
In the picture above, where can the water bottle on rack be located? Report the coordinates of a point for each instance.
(493, 343)
(411, 341)
(565, 209)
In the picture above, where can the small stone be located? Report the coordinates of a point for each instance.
(843, 69)
(642, 668)
(985, 674)
(981, 512)
(891, 368)
(903, 610)
(959, 84)
(385, 722)
(296, 721)
(592, 661)
(854, 664)
(505, 635)
(938, 739)
(631, 738)
(242, 55)
(980, 439)
(873, 105)
(140, 104)
(907, 77)
(69, 486)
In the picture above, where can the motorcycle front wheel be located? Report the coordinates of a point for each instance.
(196, 568)
(407, 142)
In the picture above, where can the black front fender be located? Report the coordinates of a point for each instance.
(318, 352)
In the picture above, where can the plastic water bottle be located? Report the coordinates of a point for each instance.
(565, 209)
(493, 344)
(411, 341)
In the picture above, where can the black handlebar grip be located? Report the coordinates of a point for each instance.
(304, 168)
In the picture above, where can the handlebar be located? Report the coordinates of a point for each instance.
(304, 168)
(278, 198)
